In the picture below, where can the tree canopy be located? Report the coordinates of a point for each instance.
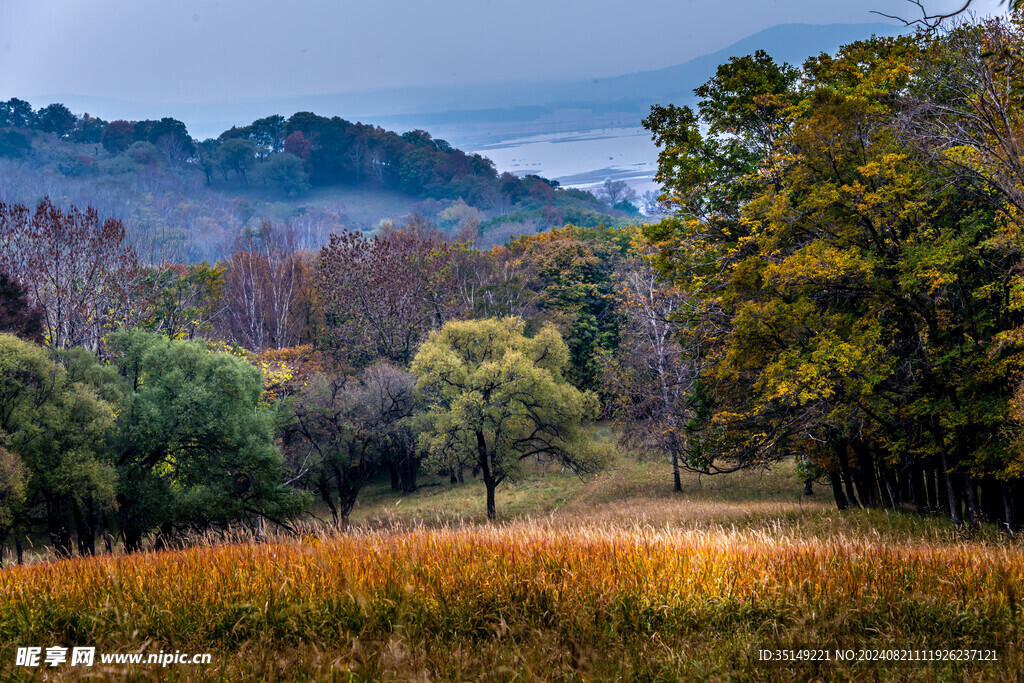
(498, 398)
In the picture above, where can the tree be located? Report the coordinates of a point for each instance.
(17, 315)
(262, 285)
(381, 295)
(935, 21)
(856, 286)
(348, 426)
(652, 377)
(268, 132)
(178, 301)
(497, 398)
(89, 129)
(237, 155)
(56, 427)
(56, 119)
(193, 445)
(12, 494)
(118, 136)
(284, 171)
(615, 192)
(16, 113)
(297, 145)
(74, 266)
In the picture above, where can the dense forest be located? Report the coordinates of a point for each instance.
(838, 281)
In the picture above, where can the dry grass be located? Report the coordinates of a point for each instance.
(616, 580)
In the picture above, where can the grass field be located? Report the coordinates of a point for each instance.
(614, 578)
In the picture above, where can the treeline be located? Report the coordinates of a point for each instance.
(184, 199)
(291, 154)
(166, 400)
(847, 236)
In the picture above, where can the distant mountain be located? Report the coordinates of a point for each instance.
(494, 109)
(792, 43)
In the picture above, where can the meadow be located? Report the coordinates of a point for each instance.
(614, 578)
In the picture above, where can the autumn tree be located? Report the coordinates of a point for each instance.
(497, 398)
(118, 136)
(74, 267)
(262, 287)
(652, 377)
(850, 282)
(381, 295)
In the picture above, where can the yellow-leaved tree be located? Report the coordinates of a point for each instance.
(496, 398)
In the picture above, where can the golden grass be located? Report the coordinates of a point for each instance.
(610, 579)
(433, 600)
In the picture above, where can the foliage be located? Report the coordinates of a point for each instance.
(497, 398)
(382, 294)
(192, 445)
(849, 293)
(52, 432)
(74, 267)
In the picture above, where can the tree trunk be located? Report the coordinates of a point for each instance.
(85, 529)
(325, 495)
(1009, 509)
(971, 486)
(917, 486)
(808, 487)
(933, 489)
(490, 481)
(60, 534)
(892, 487)
(452, 478)
(837, 490)
(677, 481)
(491, 511)
(868, 481)
(409, 472)
(952, 494)
(844, 466)
(18, 549)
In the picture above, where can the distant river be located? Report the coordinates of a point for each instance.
(583, 159)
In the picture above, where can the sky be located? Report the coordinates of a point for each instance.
(169, 51)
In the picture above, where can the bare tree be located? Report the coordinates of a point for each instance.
(652, 375)
(964, 113)
(75, 268)
(262, 285)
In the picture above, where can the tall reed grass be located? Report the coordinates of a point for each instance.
(534, 599)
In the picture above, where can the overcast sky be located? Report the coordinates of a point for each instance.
(173, 51)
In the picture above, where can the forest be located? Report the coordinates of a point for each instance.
(832, 294)
(185, 199)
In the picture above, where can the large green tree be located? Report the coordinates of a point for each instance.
(853, 296)
(498, 398)
(193, 445)
(53, 428)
